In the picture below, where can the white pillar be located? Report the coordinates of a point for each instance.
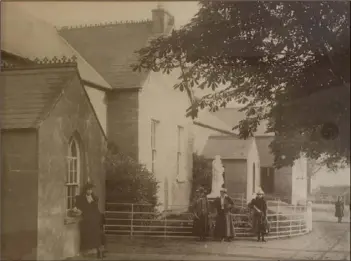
(308, 216)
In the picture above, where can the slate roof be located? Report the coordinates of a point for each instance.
(29, 94)
(113, 56)
(29, 37)
(228, 147)
(264, 151)
(232, 117)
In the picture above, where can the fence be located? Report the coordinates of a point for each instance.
(141, 220)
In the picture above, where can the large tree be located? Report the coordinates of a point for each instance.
(285, 62)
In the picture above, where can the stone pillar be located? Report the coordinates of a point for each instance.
(308, 216)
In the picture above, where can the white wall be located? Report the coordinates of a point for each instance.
(159, 101)
(299, 181)
(252, 158)
(97, 99)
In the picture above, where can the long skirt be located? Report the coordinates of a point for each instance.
(224, 227)
(90, 233)
(201, 226)
(259, 224)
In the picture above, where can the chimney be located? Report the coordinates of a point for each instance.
(162, 20)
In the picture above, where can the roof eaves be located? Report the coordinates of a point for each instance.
(214, 128)
(91, 105)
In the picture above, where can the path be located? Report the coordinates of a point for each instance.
(328, 241)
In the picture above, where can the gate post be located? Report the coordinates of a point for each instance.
(131, 221)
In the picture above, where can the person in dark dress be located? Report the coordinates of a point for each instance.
(91, 222)
(259, 207)
(200, 210)
(224, 226)
(339, 209)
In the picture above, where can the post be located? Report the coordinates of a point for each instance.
(308, 216)
(132, 221)
(278, 219)
(242, 201)
(165, 226)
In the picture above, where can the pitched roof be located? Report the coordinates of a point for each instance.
(27, 36)
(206, 118)
(232, 117)
(29, 94)
(228, 147)
(113, 56)
(264, 151)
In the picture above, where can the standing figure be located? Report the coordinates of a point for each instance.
(224, 228)
(259, 206)
(339, 209)
(90, 225)
(217, 177)
(200, 209)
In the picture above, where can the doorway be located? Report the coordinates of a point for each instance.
(267, 179)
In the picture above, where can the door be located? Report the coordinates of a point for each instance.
(267, 180)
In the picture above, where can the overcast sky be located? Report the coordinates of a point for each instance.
(74, 13)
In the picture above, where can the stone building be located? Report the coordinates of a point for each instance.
(59, 111)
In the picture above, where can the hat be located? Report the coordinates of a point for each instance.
(259, 192)
(223, 190)
(88, 185)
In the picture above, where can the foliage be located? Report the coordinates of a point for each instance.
(285, 62)
(202, 173)
(128, 181)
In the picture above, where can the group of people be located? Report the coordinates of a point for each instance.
(224, 227)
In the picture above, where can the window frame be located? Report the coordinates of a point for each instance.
(73, 175)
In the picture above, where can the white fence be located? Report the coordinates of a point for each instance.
(125, 219)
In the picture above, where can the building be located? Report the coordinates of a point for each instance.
(51, 143)
(249, 164)
(66, 94)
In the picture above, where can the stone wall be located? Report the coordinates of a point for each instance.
(159, 101)
(58, 237)
(19, 199)
(122, 120)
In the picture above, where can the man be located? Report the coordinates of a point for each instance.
(200, 211)
(259, 207)
(224, 228)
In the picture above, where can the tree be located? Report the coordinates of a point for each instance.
(127, 181)
(202, 173)
(280, 60)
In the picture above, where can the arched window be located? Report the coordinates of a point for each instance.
(73, 173)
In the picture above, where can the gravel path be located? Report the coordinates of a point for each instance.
(328, 241)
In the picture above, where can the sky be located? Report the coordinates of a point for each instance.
(76, 13)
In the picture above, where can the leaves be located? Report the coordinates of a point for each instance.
(127, 180)
(272, 55)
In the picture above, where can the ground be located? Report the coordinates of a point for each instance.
(328, 241)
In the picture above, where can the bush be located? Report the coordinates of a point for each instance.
(127, 181)
(202, 173)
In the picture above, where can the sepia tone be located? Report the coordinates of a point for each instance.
(102, 161)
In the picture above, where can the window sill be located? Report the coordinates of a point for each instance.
(71, 220)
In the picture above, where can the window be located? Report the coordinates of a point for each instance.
(253, 177)
(73, 174)
(180, 143)
(154, 125)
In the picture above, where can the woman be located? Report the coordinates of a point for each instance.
(259, 207)
(90, 225)
(200, 211)
(339, 209)
(224, 228)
